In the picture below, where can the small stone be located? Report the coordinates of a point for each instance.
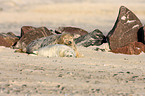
(92, 89)
(24, 85)
(128, 72)
(97, 49)
(60, 75)
(115, 75)
(134, 76)
(58, 86)
(7, 85)
(120, 72)
(97, 90)
(87, 81)
(62, 88)
(125, 59)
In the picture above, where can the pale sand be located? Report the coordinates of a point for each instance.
(86, 15)
(96, 74)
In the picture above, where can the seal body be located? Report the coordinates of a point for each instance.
(56, 50)
(65, 39)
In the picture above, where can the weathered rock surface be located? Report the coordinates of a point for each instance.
(125, 29)
(91, 39)
(132, 48)
(8, 39)
(26, 29)
(32, 35)
(77, 32)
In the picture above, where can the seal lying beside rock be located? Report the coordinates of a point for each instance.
(57, 50)
(65, 39)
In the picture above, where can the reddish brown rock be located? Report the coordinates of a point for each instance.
(32, 35)
(8, 39)
(125, 29)
(26, 29)
(132, 48)
(77, 32)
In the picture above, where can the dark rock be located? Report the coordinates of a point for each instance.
(93, 38)
(29, 36)
(125, 29)
(77, 32)
(8, 39)
(141, 35)
(132, 48)
(144, 34)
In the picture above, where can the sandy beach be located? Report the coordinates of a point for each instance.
(95, 74)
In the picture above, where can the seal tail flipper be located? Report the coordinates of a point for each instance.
(35, 52)
(19, 51)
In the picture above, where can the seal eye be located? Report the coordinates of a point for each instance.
(65, 38)
(69, 55)
(70, 42)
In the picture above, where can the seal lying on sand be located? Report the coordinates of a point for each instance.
(57, 50)
(65, 39)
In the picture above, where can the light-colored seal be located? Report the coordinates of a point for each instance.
(57, 50)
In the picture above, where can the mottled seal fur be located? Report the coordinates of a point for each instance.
(66, 39)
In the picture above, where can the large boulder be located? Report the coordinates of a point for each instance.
(125, 29)
(77, 32)
(91, 39)
(31, 35)
(8, 39)
(132, 48)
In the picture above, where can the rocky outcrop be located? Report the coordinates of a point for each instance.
(77, 32)
(91, 39)
(33, 34)
(125, 29)
(132, 48)
(8, 39)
